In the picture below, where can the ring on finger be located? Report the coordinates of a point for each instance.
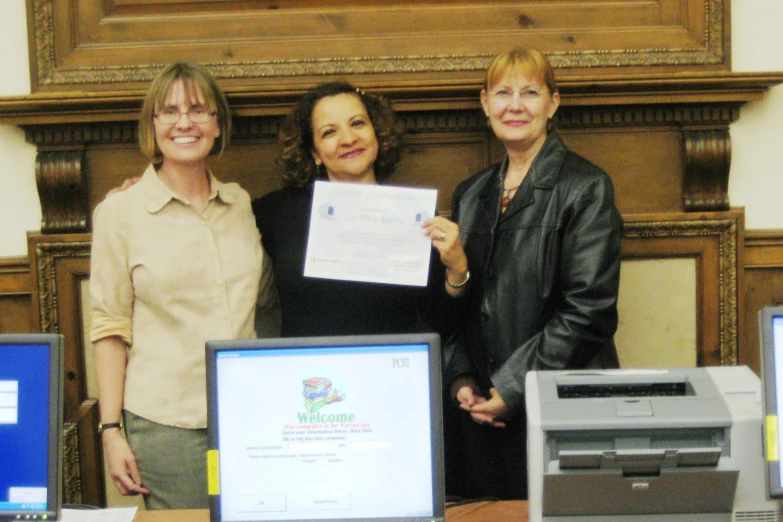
(442, 235)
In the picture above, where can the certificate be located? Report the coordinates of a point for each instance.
(370, 233)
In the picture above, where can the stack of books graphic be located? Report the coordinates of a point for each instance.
(316, 391)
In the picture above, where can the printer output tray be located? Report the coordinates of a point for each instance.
(693, 495)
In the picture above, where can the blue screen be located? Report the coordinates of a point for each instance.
(24, 426)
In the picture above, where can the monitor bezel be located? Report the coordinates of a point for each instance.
(436, 392)
(771, 411)
(55, 342)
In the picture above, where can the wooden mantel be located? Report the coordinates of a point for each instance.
(76, 135)
(604, 90)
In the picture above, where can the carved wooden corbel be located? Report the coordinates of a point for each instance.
(62, 190)
(706, 176)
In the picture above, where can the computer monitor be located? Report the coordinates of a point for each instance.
(326, 428)
(771, 335)
(31, 426)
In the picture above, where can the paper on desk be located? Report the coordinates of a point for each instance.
(370, 233)
(126, 514)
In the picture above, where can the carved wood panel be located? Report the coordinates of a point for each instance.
(15, 295)
(272, 45)
(763, 287)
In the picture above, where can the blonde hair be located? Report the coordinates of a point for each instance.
(194, 77)
(529, 62)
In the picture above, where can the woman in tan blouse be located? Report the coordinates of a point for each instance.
(176, 261)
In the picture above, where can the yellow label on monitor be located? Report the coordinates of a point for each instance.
(772, 439)
(213, 473)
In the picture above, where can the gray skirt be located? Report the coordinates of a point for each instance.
(172, 462)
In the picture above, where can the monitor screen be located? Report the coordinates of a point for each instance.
(327, 428)
(31, 420)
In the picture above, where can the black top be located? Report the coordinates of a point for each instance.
(545, 274)
(313, 306)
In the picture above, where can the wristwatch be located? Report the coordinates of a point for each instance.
(103, 426)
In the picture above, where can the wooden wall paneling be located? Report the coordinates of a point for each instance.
(15, 295)
(715, 240)
(441, 163)
(251, 159)
(645, 164)
(100, 46)
(62, 169)
(61, 262)
(662, 157)
(442, 148)
(107, 165)
(763, 287)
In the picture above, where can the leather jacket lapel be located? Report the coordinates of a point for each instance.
(543, 174)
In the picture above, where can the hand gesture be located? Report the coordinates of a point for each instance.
(492, 411)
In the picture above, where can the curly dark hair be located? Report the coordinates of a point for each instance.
(296, 134)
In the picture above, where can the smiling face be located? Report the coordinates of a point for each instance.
(185, 142)
(519, 107)
(344, 139)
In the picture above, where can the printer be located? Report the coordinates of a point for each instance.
(646, 446)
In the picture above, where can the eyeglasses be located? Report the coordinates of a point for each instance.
(196, 114)
(505, 95)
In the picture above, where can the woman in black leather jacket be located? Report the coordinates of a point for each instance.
(540, 235)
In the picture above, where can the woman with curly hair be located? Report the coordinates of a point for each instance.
(338, 133)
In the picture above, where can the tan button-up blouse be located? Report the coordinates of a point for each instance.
(166, 278)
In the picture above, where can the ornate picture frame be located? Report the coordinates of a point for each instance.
(60, 263)
(714, 242)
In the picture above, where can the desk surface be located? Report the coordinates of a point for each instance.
(515, 511)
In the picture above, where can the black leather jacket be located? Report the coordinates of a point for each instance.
(544, 275)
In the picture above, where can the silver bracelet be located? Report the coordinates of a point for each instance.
(461, 283)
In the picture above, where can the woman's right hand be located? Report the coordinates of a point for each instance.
(122, 464)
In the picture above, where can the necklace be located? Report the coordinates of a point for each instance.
(505, 198)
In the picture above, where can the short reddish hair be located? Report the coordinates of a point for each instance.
(530, 62)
